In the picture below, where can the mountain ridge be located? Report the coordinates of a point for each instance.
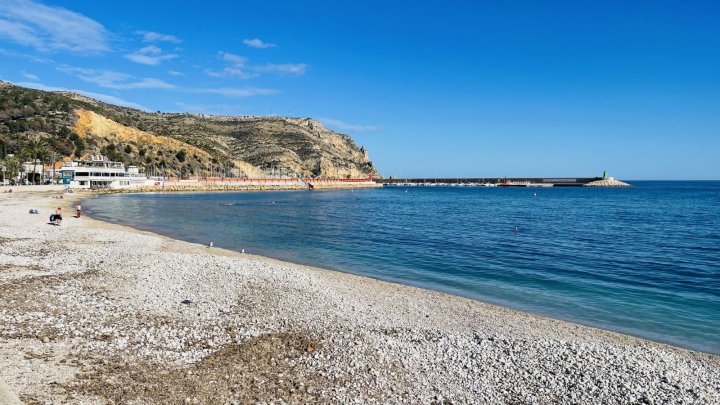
(180, 144)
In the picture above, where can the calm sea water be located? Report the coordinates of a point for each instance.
(643, 260)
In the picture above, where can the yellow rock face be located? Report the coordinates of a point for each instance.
(93, 125)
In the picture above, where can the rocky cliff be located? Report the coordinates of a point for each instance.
(179, 144)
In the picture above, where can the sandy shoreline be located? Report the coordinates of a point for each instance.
(92, 312)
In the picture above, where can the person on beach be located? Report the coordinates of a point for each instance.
(77, 211)
(58, 216)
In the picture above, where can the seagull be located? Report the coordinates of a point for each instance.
(211, 244)
(242, 251)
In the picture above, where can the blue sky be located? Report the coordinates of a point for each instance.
(447, 89)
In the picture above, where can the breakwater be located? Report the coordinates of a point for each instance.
(507, 182)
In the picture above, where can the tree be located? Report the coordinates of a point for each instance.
(181, 155)
(36, 148)
(12, 166)
(53, 156)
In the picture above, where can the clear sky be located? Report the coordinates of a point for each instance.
(446, 89)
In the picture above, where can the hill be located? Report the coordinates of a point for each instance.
(177, 144)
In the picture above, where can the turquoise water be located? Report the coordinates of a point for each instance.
(643, 261)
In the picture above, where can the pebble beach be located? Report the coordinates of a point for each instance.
(93, 312)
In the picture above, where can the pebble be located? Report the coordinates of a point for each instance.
(378, 342)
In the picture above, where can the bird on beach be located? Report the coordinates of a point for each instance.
(211, 244)
(242, 250)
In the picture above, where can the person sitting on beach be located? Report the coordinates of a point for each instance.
(58, 216)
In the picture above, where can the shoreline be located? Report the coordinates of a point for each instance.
(420, 286)
(315, 335)
(220, 187)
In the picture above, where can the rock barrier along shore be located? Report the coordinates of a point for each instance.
(229, 187)
(97, 313)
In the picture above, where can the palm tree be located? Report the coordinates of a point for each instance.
(53, 157)
(36, 148)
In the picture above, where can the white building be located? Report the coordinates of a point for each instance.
(101, 173)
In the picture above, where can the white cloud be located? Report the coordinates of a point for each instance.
(344, 126)
(112, 100)
(20, 33)
(98, 96)
(292, 69)
(230, 72)
(150, 50)
(40, 86)
(175, 73)
(150, 36)
(236, 91)
(121, 81)
(257, 43)
(239, 70)
(146, 83)
(34, 58)
(150, 55)
(30, 76)
(115, 80)
(214, 109)
(236, 60)
(236, 68)
(50, 28)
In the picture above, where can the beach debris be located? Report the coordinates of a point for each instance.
(45, 339)
(186, 302)
(310, 349)
(34, 211)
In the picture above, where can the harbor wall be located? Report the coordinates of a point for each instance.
(509, 181)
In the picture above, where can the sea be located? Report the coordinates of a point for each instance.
(643, 260)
